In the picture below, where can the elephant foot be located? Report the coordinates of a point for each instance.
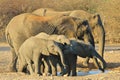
(65, 75)
(46, 74)
(102, 70)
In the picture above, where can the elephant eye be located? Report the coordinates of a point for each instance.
(65, 43)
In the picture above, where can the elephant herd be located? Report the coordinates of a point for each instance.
(44, 38)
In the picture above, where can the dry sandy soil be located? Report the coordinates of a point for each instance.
(112, 72)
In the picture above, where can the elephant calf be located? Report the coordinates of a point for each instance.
(51, 61)
(82, 49)
(31, 51)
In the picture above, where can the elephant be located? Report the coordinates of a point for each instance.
(49, 62)
(96, 26)
(94, 21)
(25, 25)
(33, 48)
(82, 49)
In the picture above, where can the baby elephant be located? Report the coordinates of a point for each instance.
(32, 50)
(51, 61)
(82, 49)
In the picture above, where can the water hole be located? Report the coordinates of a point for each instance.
(84, 73)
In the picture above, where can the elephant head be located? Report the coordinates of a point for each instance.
(54, 49)
(63, 39)
(97, 28)
(83, 31)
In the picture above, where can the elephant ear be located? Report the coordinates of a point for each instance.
(82, 26)
(45, 51)
(80, 22)
(63, 39)
(94, 19)
(59, 38)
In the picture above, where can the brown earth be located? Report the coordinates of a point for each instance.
(109, 11)
(112, 71)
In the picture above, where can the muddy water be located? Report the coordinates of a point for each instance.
(92, 72)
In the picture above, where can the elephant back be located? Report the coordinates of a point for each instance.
(65, 25)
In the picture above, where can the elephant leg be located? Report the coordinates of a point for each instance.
(30, 68)
(42, 67)
(37, 63)
(60, 64)
(13, 63)
(73, 65)
(21, 65)
(47, 66)
(54, 70)
(53, 62)
(68, 70)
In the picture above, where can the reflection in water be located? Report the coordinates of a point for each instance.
(90, 72)
(87, 73)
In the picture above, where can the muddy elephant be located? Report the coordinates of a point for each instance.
(25, 25)
(82, 49)
(32, 49)
(94, 20)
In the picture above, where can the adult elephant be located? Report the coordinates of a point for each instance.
(25, 25)
(94, 21)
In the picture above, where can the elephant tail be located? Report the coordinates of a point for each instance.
(8, 38)
(102, 64)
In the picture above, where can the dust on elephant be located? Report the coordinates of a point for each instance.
(94, 20)
(25, 25)
(82, 49)
(32, 49)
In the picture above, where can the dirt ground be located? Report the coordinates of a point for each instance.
(112, 71)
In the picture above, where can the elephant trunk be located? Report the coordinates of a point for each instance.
(102, 65)
(101, 34)
(61, 56)
(62, 61)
